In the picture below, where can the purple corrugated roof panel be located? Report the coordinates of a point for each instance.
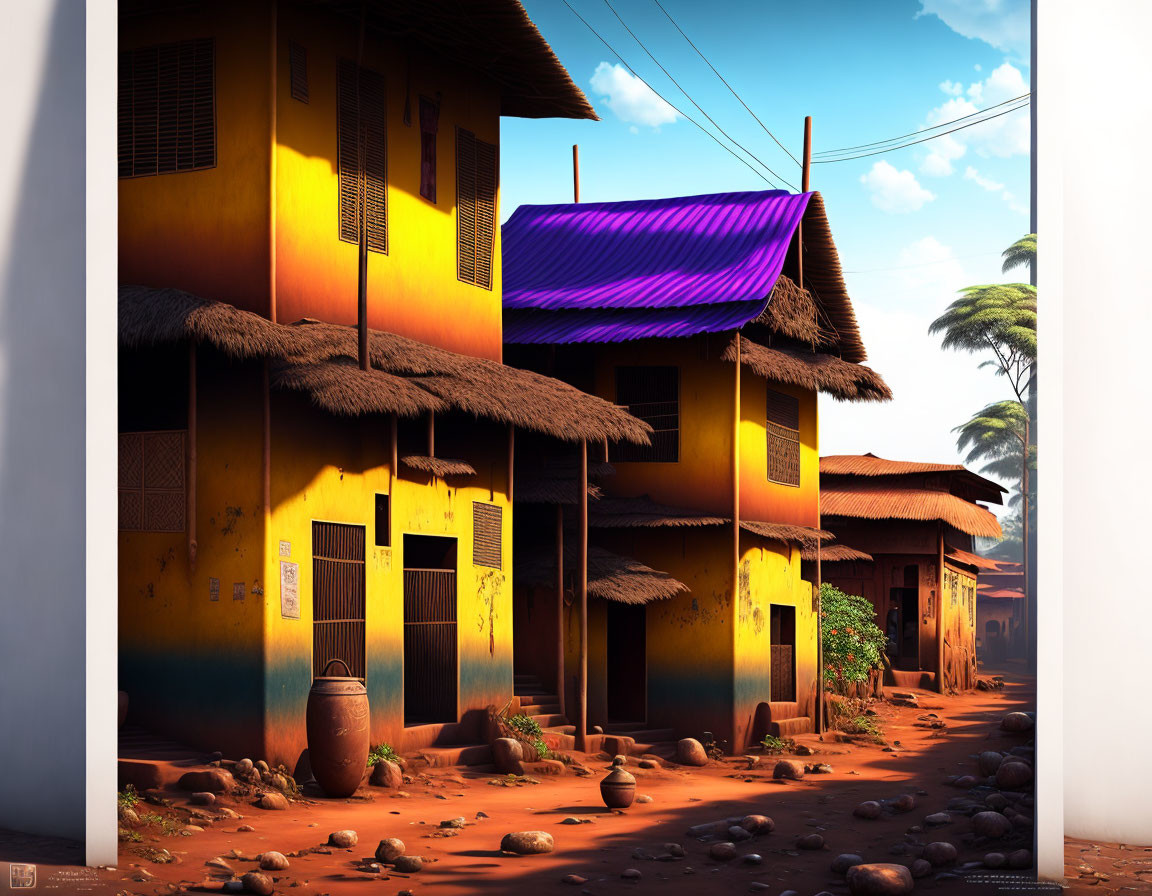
(649, 253)
(524, 327)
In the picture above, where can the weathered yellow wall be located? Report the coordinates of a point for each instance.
(959, 628)
(413, 290)
(207, 231)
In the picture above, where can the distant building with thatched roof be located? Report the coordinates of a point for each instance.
(917, 521)
(1000, 612)
(696, 314)
(289, 494)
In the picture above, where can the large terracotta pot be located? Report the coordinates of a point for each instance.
(618, 789)
(337, 723)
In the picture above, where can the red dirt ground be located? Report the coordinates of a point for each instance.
(471, 863)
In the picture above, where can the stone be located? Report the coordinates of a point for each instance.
(995, 860)
(631, 874)
(216, 780)
(804, 750)
(1020, 858)
(1017, 722)
(789, 770)
(457, 823)
(257, 883)
(408, 864)
(389, 850)
(1022, 822)
(343, 839)
(244, 766)
(128, 816)
(1014, 774)
(938, 818)
(245, 829)
(648, 763)
(508, 756)
(204, 798)
(273, 861)
(273, 801)
(921, 868)
(262, 766)
(790, 893)
(527, 843)
(846, 860)
(690, 751)
(996, 801)
(386, 774)
(723, 852)
(818, 768)
(906, 802)
(710, 829)
(753, 858)
(758, 824)
(643, 798)
(870, 809)
(574, 879)
(737, 834)
(966, 782)
(879, 879)
(940, 853)
(988, 762)
(810, 841)
(219, 864)
(992, 825)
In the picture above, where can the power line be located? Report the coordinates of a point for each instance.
(922, 140)
(726, 84)
(689, 97)
(831, 152)
(624, 62)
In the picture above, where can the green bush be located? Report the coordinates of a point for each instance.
(853, 643)
(773, 746)
(529, 729)
(380, 753)
(128, 798)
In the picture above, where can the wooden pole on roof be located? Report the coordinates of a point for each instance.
(582, 596)
(575, 172)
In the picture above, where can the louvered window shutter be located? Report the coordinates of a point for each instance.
(367, 116)
(487, 522)
(783, 425)
(298, 68)
(476, 182)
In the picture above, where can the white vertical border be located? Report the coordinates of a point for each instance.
(100, 455)
(1050, 117)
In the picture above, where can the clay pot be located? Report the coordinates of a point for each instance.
(618, 789)
(337, 723)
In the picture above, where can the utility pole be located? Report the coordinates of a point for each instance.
(575, 172)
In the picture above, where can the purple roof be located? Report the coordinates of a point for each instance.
(612, 271)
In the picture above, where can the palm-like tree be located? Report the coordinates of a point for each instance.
(1020, 253)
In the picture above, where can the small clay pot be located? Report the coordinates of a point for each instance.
(618, 789)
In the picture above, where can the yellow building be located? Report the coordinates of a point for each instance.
(287, 497)
(686, 311)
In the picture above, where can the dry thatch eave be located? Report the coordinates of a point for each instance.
(340, 387)
(644, 513)
(792, 312)
(841, 379)
(438, 466)
(873, 501)
(968, 558)
(610, 576)
(801, 536)
(824, 278)
(835, 553)
(477, 386)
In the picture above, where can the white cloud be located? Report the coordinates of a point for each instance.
(1002, 137)
(632, 101)
(976, 177)
(1005, 24)
(945, 150)
(929, 263)
(893, 190)
(952, 88)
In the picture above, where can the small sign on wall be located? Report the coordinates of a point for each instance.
(289, 590)
(213, 589)
(237, 591)
(285, 549)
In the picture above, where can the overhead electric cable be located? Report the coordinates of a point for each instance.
(624, 62)
(689, 97)
(726, 84)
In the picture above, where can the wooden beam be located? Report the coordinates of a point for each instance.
(575, 173)
(511, 460)
(560, 676)
(431, 433)
(940, 609)
(190, 490)
(582, 597)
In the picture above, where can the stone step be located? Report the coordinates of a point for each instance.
(547, 709)
(791, 727)
(454, 754)
(646, 735)
(907, 678)
(538, 699)
(549, 720)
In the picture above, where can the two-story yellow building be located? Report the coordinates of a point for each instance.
(287, 498)
(687, 311)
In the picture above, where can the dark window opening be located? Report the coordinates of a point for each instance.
(429, 124)
(430, 630)
(166, 108)
(383, 520)
(783, 425)
(338, 598)
(362, 155)
(782, 678)
(487, 520)
(298, 68)
(476, 172)
(653, 395)
(429, 552)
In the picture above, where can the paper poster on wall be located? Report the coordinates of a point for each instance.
(213, 589)
(289, 590)
(237, 591)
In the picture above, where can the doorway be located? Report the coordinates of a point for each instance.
(627, 678)
(782, 675)
(430, 646)
(907, 600)
(337, 598)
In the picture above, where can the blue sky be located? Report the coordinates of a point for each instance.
(912, 226)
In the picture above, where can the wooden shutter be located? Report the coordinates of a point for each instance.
(338, 597)
(298, 69)
(151, 480)
(166, 117)
(486, 534)
(783, 425)
(368, 116)
(476, 184)
(653, 395)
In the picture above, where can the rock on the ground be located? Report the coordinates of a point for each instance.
(753, 858)
(204, 798)
(574, 879)
(675, 849)
(788, 769)
(869, 809)
(906, 802)
(508, 756)
(527, 843)
(389, 850)
(257, 883)
(408, 864)
(938, 818)
(649, 763)
(386, 774)
(1013, 775)
(631, 874)
(991, 824)
(723, 852)
(758, 824)
(810, 841)
(995, 860)
(244, 767)
(1020, 858)
(879, 879)
(273, 861)
(274, 801)
(738, 834)
(1017, 722)
(846, 860)
(920, 868)
(940, 853)
(710, 829)
(690, 751)
(215, 780)
(343, 839)
(128, 816)
(989, 761)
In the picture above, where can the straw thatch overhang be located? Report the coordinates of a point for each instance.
(558, 483)
(841, 379)
(438, 466)
(477, 386)
(875, 501)
(967, 558)
(835, 553)
(610, 576)
(644, 513)
(340, 387)
(794, 313)
(801, 536)
(824, 278)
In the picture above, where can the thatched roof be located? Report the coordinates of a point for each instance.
(824, 278)
(968, 558)
(644, 513)
(477, 386)
(438, 466)
(841, 379)
(792, 312)
(340, 387)
(801, 536)
(834, 553)
(876, 501)
(610, 576)
(871, 465)
(556, 483)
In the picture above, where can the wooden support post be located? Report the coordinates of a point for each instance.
(560, 676)
(819, 629)
(582, 597)
(431, 433)
(511, 461)
(395, 453)
(575, 173)
(191, 475)
(267, 485)
(805, 170)
(736, 510)
(940, 610)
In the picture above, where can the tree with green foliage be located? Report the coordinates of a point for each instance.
(852, 642)
(1021, 253)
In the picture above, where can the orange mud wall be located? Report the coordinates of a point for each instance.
(413, 290)
(329, 469)
(207, 231)
(191, 665)
(959, 607)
